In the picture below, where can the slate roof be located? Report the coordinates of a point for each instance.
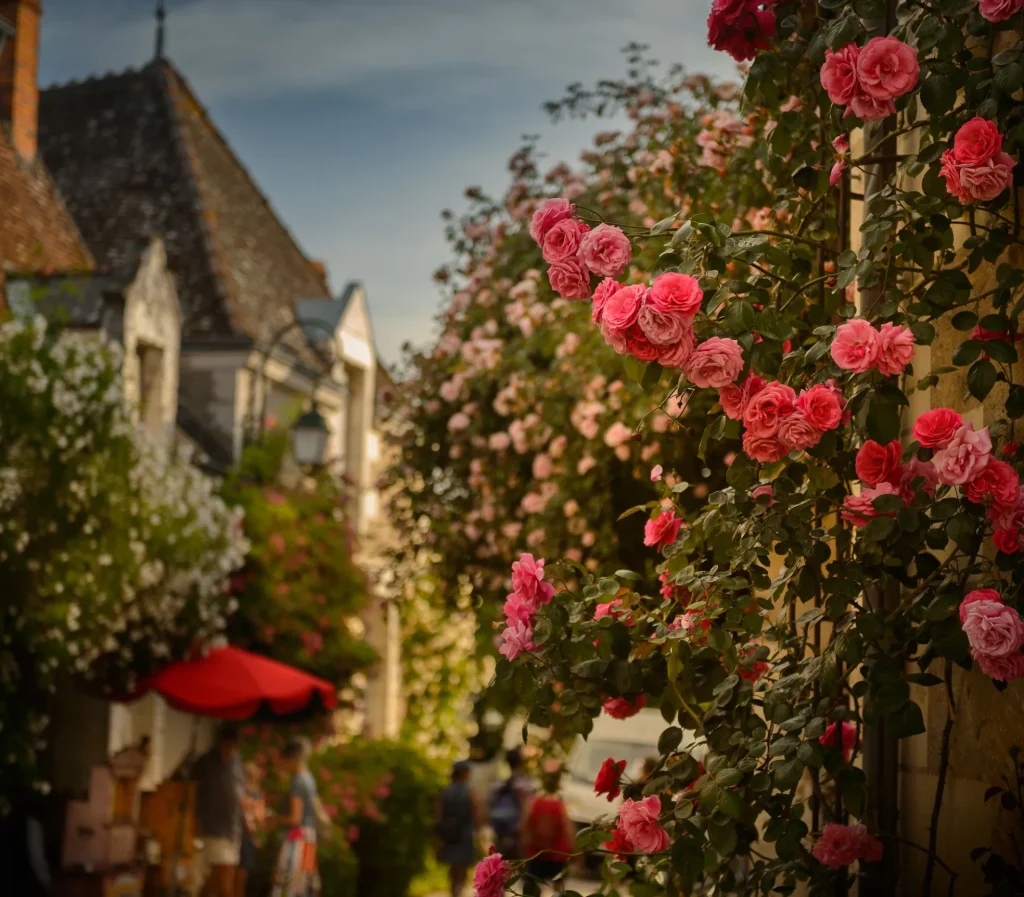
(37, 235)
(136, 153)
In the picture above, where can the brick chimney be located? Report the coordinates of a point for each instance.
(19, 68)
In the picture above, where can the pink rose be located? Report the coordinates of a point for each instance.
(997, 482)
(977, 183)
(638, 822)
(855, 347)
(622, 308)
(528, 580)
(821, 407)
(716, 362)
(677, 355)
(866, 107)
(547, 216)
(639, 345)
(662, 328)
(964, 457)
(605, 289)
(765, 490)
(656, 473)
(519, 609)
(620, 708)
(563, 241)
(797, 433)
(876, 463)
(839, 74)
(765, 449)
(517, 638)
(830, 385)
(887, 68)
(740, 28)
(999, 10)
(895, 349)
(840, 845)
(570, 279)
(673, 293)
(913, 471)
(490, 876)
(976, 142)
(993, 629)
(1007, 540)
(836, 174)
(977, 595)
(612, 609)
(606, 251)
(935, 428)
(841, 144)
(860, 509)
(766, 409)
(734, 399)
(663, 530)
(1005, 669)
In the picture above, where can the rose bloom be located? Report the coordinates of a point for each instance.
(876, 463)
(677, 355)
(1007, 540)
(765, 449)
(977, 183)
(608, 777)
(622, 308)
(993, 629)
(977, 595)
(716, 362)
(606, 250)
(734, 399)
(620, 708)
(840, 845)
(639, 345)
(662, 328)
(964, 456)
(518, 608)
(528, 580)
(859, 509)
(548, 215)
(638, 821)
(764, 490)
(570, 279)
(855, 347)
(848, 737)
(916, 470)
(604, 291)
(674, 293)
(821, 407)
(999, 10)
(517, 638)
(618, 845)
(998, 481)
(740, 28)
(797, 433)
(766, 409)
(663, 530)
(611, 608)
(887, 68)
(895, 349)
(490, 876)
(839, 74)
(935, 428)
(1005, 669)
(836, 174)
(563, 240)
(976, 142)
(656, 473)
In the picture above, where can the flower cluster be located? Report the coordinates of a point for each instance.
(529, 593)
(639, 828)
(840, 845)
(859, 347)
(976, 169)
(995, 633)
(740, 27)
(869, 79)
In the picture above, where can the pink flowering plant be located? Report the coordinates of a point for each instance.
(853, 353)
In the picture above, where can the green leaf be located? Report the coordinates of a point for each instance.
(843, 31)
(1015, 402)
(730, 803)
(891, 696)
(965, 320)
(923, 332)
(663, 225)
(883, 422)
(740, 316)
(1001, 351)
(1010, 78)
(727, 778)
(651, 376)
(981, 378)
(878, 529)
(669, 740)
(788, 773)
(938, 94)
(967, 352)
(907, 721)
(719, 640)
(634, 368)
(722, 837)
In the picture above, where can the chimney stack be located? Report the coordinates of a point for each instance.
(19, 70)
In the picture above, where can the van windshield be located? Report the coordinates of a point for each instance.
(593, 753)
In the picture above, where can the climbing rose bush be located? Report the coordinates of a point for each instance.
(859, 552)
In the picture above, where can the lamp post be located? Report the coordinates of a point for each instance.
(309, 433)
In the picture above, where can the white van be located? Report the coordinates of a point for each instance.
(633, 740)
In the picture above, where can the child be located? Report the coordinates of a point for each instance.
(254, 812)
(547, 832)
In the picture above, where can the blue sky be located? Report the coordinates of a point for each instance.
(363, 119)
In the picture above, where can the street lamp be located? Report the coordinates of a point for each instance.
(309, 439)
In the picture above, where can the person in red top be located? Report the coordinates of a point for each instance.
(547, 834)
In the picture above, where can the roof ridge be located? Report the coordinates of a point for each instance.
(94, 79)
(223, 141)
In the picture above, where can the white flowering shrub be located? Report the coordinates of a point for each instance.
(114, 556)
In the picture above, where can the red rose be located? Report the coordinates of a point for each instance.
(977, 595)
(608, 776)
(821, 407)
(997, 481)
(935, 428)
(620, 708)
(879, 463)
(739, 28)
(1007, 540)
(570, 279)
(619, 844)
(977, 142)
(639, 345)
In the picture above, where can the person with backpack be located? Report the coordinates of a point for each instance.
(547, 833)
(505, 807)
(457, 817)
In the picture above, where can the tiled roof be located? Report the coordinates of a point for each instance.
(136, 154)
(37, 235)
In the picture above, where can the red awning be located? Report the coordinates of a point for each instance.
(232, 684)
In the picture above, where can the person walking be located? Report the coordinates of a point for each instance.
(457, 817)
(218, 813)
(254, 812)
(505, 807)
(296, 873)
(547, 834)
